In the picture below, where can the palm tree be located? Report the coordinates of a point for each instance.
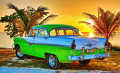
(106, 23)
(25, 19)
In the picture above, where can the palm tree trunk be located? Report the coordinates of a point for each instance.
(25, 34)
(108, 44)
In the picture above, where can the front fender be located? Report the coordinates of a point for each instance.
(21, 42)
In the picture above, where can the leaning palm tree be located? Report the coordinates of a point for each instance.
(106, 23)
(27, 19)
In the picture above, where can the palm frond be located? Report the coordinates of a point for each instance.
(114, 23)
(115, 18)
(30, 10)
(47, 18)
(45, 13)
(97, 29)
(34, 18)
(85, 22)
(41, 8)
(20, 13)
(106, 22)
(38, 14)
(28, 15)
(115, 27)
(23, 20)
(93, 17)
(100, 11)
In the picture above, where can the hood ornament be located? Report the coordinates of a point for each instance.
(89, 45)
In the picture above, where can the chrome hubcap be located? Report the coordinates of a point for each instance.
(52, 60)
(19, 53)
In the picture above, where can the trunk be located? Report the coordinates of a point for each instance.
(90, 43)
(25, 34)
(87, 43)
(108, 43)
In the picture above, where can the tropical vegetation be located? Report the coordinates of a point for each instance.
(106, 24)
(22, 20)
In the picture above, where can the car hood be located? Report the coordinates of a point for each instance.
(87, 43)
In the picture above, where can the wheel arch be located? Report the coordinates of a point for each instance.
(46, 55)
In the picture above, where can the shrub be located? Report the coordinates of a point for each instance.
(115, 48)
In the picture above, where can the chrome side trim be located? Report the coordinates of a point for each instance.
(50, 44)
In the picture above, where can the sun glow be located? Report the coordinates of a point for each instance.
(91, 34)
(80, 33)
(91, 22)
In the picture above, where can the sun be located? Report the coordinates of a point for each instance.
(91, 22)
(91, 34)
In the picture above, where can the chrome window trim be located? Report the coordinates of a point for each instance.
(37, 28)
(30, 32)
(64, 28)
(38, 32)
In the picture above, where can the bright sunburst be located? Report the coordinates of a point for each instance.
(91, 21)
(91, 35)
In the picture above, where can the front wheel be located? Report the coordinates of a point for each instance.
(85, 62)
(19, 54)
(53, 61)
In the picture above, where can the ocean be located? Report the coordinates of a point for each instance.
(7, 42)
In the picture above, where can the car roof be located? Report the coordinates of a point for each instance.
(49, 27)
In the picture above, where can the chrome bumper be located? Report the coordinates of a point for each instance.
(93, 56)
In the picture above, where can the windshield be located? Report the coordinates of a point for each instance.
(64, 32)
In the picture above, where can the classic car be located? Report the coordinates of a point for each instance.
(60, 44)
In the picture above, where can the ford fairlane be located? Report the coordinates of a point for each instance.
(60, 44)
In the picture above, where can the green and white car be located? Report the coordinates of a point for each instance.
(59, 44)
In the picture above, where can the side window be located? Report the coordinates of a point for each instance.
(53, 33)
(33, 33)
(60, 32)
(42, 33)
(70, 32)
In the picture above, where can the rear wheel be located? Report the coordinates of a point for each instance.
(19, 54)
(53, 61)
(85, 62)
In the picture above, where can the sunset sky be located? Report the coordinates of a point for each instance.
(69, 12)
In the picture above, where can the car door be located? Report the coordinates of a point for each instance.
(30, 39)
(39, 47)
